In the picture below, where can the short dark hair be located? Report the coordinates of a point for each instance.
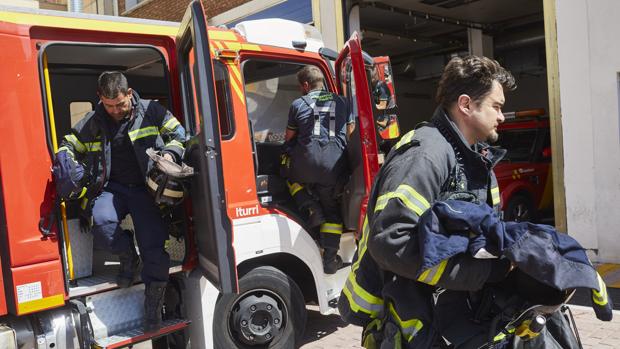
(310, 74)
(473, 76)
(111, 83)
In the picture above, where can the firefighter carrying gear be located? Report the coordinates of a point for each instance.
(88, 146)
(431, 163)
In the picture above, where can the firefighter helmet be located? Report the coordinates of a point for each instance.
(165, 189)
(165, 180)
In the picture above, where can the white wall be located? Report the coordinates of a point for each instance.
(589, 63)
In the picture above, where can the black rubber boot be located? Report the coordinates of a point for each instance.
(153, 304)
(331, 261)
(129, 266)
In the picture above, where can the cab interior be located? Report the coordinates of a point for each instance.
(270, 88)
(73, 70)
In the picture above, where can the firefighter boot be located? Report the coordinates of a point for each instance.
(129, 266)
(153, 304)
(331, 261)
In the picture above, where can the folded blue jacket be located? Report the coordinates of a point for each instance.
(555, 259)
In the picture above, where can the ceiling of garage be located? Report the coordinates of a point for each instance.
(414, 29)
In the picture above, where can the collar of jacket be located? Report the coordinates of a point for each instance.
(490, 155)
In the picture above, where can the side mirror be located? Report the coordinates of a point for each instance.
(546, 153)
(387, 126)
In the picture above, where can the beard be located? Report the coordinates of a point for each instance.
(493, 137)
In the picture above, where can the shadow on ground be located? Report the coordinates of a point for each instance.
(319, 326)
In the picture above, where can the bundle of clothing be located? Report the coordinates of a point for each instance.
(547, 267)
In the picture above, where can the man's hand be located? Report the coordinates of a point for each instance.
(168, 156)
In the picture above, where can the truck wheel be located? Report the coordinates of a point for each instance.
(519, 209)
(268, 312)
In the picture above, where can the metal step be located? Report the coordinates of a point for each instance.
(136, 335)
(116, 318)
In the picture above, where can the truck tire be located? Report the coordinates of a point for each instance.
(268, 312)
(520, 209)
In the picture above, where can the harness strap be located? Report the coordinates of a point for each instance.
(317, 111)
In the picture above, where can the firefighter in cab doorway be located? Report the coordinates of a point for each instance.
(315, 160)
(103, 162)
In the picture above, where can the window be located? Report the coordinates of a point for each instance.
(224, 102)
(270, 88)
(78, 110)
(519, 143)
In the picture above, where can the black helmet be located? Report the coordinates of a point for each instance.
(165, 180)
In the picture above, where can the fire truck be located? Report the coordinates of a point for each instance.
(244, 263)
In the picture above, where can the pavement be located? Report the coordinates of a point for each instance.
(331, 332)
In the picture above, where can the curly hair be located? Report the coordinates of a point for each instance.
(473, 76)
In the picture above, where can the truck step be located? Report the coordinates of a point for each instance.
(136, 335)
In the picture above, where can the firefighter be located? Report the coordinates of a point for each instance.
(108, 146)
(319, 125)
(446, 158)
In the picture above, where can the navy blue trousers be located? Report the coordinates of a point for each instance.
(111, 207)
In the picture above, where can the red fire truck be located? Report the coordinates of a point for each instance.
(244, 264)
(524, 176)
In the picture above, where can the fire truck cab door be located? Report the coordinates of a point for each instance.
(211, 224)
(352, 83)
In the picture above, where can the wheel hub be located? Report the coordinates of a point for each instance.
(258, 319)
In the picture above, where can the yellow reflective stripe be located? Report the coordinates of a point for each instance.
(502, 335)
(409, 328)
(175, 143)
(409, 196)
(495, 195)
(431, 275)
(83, 203)
(79, 147)
(332, 228)
(393, 131)
(93, 146)
(405, 139)
(170, 125)
(600, 297)
(362, 245)
(293, 188)
(143, 132)
(359, 299)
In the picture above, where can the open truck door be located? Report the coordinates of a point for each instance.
(352, 83)
(212, 226)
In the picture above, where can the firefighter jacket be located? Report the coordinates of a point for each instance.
(88, 147)
(432, 163)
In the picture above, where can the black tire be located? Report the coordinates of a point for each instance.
(267, 298)
(520, 208)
